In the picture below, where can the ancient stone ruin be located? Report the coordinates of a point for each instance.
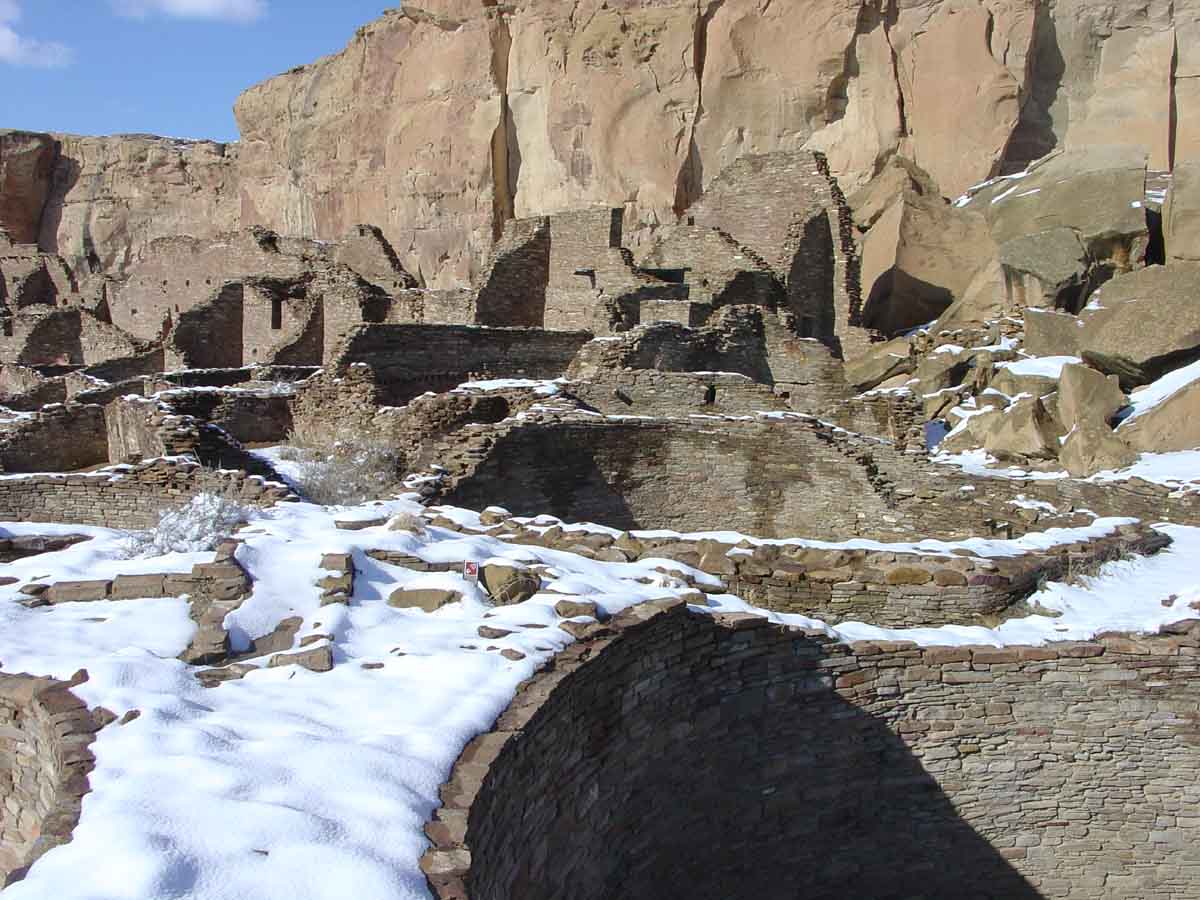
(767, 432)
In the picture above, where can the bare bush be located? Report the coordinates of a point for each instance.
(344, 473)
(196, 527)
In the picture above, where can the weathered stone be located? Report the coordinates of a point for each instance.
(917, 259)
(1087, 395)
(129, 587)
(1145, 320)
(428, 599)
(1050, 333)
(1173, 424)
(79, 591)
(508, 585)
(1092, 447)
(573, 608)
(317, 659)
(1024, 431)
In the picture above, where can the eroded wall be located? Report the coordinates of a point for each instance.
(45, 735)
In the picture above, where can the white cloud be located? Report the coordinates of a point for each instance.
(18, 50)
(214, 10)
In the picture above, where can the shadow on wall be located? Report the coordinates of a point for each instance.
(681, 764)
(572, 486)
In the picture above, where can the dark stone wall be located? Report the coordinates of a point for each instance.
(755, 478)
(409, 360)
(677, 755)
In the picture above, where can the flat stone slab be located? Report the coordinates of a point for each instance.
(79, 591)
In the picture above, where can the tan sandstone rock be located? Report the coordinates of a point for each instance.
(114, 195)
(26, 169)
(1024, 431)
(402, 130)
(1144, 320)
(1092, 447)
(920, 256)
(1181, 214)
(1085, 395)
(1052, 333)
(428, 599)
(508, 584)
(1174, 424)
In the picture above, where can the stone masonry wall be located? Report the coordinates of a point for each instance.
(631, 473)
(650, 392)
(58, 438)
(411, 359)
(672, 754)
(45, 735)
(513, 290)
(895, 586)
(126, 496)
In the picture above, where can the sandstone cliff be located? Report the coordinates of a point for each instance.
(439, 123)
(434, 123)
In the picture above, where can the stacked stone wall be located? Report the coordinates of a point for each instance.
(45, 758)
(894, 416)
(409, 360)
(59, 438)
(126, 497)
(513, 290)
(631, 473)
(671, 754)
(654, 393)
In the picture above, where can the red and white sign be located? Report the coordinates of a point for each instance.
(471, 571)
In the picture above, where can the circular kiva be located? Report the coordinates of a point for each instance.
(679, 754)
(45, 736)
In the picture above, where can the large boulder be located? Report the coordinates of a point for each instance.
(1026, 430)
(1092, 447)
(1085, 395)
(1096, 193)
(880, 363)
(919, 257)
(1143, 322)
(508, 584)
(1170, 424)
(1046, 269)
(1052, 333)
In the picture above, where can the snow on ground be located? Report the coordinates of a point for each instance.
(1145, 399)
(1127, 595)
(541, 387)
(290, 784)
(1045, 366)
(285, 784)
(1179, 471)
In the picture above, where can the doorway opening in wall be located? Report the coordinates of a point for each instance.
(710, 395)
(276, 313)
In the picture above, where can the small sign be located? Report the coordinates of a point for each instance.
(471, 571)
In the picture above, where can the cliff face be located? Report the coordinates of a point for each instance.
(396, 131)
(437, 124)
(111, 196)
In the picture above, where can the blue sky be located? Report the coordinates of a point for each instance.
(171, 67)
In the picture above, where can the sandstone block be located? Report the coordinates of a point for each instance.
(79, 591)
(428, 599)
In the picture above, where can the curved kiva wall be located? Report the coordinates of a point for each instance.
(681, 755)
(45, 735)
